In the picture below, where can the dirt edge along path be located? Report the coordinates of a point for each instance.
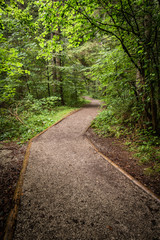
(71, 192)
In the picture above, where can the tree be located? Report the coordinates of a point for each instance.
(136, 26)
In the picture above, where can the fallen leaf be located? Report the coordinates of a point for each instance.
(110, 228)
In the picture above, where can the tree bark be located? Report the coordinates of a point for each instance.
(48, 85)
(148, 28)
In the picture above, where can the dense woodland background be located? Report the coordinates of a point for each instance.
(53, 52)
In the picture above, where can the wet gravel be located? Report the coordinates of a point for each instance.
(71, 192)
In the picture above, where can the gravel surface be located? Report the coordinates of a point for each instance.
(71, 192)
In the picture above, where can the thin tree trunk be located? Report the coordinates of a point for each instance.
(58, 70)
(48, 85)
(27, 84)
(54, 75)
(59, 78)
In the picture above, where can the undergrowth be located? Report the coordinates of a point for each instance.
(143, 142)
(28, 117)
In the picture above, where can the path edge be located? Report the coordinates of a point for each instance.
(12, 217)
(132, 179)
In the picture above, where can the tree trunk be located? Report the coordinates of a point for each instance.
(59, 78)
(149, 65)
(54, 75)
(48, 85)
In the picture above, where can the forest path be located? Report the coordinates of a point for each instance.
(71, 192)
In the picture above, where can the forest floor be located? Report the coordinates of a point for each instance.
(11, 160)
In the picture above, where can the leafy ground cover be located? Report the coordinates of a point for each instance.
(26, 118)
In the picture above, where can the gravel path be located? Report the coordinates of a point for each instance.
(71, 192)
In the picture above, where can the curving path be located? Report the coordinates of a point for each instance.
(71, 192)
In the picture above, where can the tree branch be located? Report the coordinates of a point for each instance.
(16, 115)
(129, 55)
(133, 14)
(127, 20)
(92, 22)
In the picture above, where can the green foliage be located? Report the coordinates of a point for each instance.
(135, 25)
(153, 170)
(147, 148)
(37, 105)
(106, 124)
(10, 71)
(30, 117)
(144, 143)
(53, 49)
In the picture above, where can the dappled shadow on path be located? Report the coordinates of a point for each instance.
(93, 105)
